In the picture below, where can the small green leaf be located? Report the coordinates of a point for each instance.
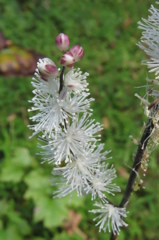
(38, 184)
(3, 207)
(13, 168)
(10, 173)
(10, 233)
(64, 235)
(51, 211)
(21, 224)
(22, 157)
(75, 200)
(37, 238)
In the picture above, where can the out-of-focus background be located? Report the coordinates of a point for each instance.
(108, 32)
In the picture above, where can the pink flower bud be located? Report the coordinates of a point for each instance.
(47, 69)
(67, 60)
(62, 42)
(78, 52)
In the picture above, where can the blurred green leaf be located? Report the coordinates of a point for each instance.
(15, 221)
(11, 233)
(3, 207)
(13, 169)
(37, 238)
(22, 157)
(64, 235)
(38, 184)
(51, 211)
(21, 224)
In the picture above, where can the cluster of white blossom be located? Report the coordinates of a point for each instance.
(150, 44)
(70, 138)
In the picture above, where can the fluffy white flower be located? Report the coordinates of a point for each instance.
(54, 108)
(51, 112)
(74, 174)
(81, 170)
(150, 44)
(76, 81)
(51, 86)
(109, 217)
(149, 40)
(72, 139)
(101, 182)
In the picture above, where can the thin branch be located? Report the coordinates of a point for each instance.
(136, 165)
(61, 79)
(61, 87)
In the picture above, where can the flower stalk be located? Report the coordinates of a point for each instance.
(61, 79)
(135, 168)
(137, 162)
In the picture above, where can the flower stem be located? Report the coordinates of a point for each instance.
(61, 87)
(136, 165)
(61, 79)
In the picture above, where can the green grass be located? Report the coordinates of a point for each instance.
(108, 32)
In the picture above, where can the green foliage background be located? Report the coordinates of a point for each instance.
(109, 33)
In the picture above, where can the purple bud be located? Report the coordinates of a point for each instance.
(62, 42)
(67, 60)
(47, 69)
(50, 69)
(78, 52)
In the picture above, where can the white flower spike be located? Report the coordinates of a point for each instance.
(149, 40)
(70, 139)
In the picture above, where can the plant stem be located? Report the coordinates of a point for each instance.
(136, 165)
(61, 79)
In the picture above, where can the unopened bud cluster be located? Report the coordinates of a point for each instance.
(46, 67)
(75, 54)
